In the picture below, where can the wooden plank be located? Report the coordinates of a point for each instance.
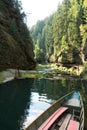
(65, 123)
(46, 125)
(53, 126)
(61, 121)
(73, 125)
(58, 123)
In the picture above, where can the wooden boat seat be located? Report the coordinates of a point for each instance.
(48, 123)
(73, 125)
(65, 122)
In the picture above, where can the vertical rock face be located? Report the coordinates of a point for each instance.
(16, 47)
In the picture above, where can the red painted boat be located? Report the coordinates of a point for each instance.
(65, 114)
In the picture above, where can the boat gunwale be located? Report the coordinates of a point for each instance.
(58, 102)
(81, 101)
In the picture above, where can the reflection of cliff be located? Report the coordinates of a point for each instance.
(14, 96)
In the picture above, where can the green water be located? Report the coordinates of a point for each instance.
(21, 101)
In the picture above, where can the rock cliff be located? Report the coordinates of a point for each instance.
(16, 47)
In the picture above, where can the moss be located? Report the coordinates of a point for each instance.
(31, 74)
(2, 78)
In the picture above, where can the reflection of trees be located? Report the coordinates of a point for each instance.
(14, 96)
(58, 88)
(54, 89)
(84, 82)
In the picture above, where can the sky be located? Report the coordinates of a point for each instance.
(38, 9)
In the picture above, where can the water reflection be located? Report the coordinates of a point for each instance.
(21, 101)
(37, 106)
(13, 99)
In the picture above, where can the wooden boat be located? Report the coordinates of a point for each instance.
(65, 114)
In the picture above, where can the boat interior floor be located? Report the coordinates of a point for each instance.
(63, 122)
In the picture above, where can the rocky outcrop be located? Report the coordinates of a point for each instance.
(16, 47)
(70, 56)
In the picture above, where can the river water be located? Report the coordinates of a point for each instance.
(21, 101)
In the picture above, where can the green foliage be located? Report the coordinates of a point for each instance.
(63, 34)
(2, 78)
(85, 3)
(14, 30)
(70, 55)
(39, 54)
(84, 73)
(42, 35)
(83, 27)
(63, 45)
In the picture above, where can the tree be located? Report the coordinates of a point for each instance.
(61, 31)
(14, 30)
(83, 26)
(39, 54)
